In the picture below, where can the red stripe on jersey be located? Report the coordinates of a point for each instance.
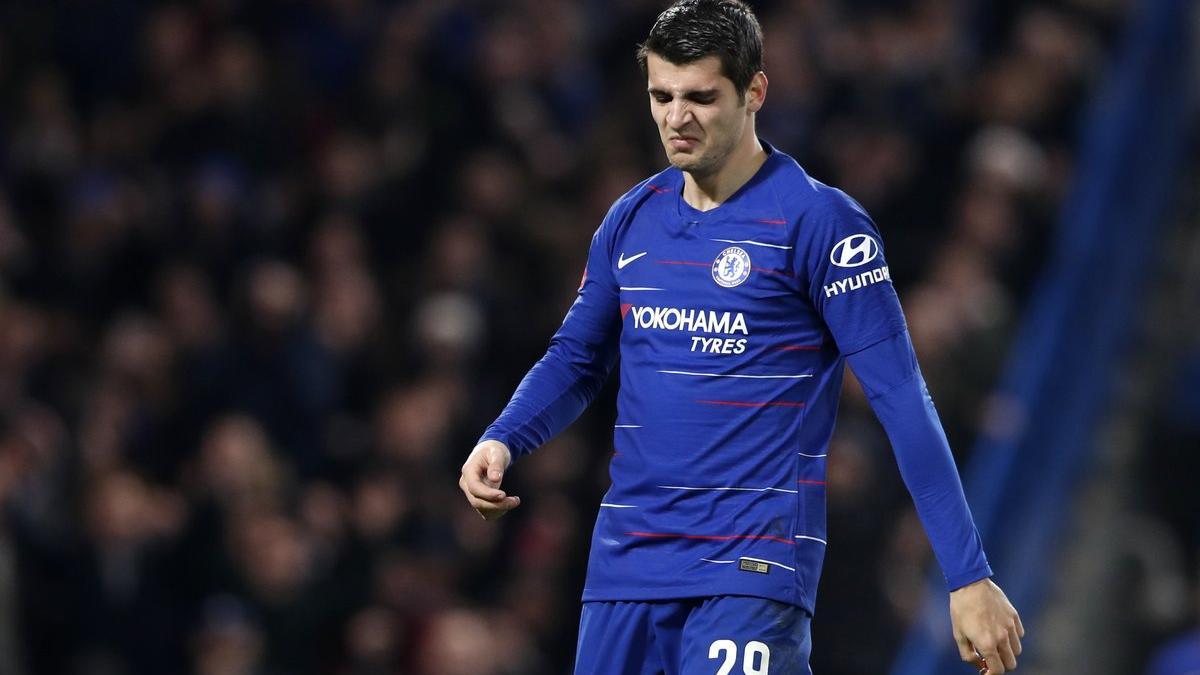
(658, 189)
(683, 262)
(810, 482)
(771, 221)
(718, 537)
(799, 348)
(755, 404)
(767, 271)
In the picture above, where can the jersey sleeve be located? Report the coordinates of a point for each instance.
(841, 261)
(896, 391)
(850, 287)
(581, 355)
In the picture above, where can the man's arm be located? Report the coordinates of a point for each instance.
(557, 388)
(888, 373)
(837, 241)
(981, 615)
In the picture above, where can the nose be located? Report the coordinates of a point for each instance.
(678, 114)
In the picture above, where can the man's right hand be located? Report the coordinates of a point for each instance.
(481, 476)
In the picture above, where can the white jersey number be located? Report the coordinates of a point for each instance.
(756, 660)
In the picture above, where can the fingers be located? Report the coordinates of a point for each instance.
(1020, 626)
(489, 502)
(497, 462)
(493, 510)
(969, 654)
(480, 480)
(473, 485)
(1014, 639)
(1007, 657)
(995, 664)
(965, 651)
(1000, 655)
(979, 662)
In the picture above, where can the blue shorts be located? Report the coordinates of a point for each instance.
(721, 635)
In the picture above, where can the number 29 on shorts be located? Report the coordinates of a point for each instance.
(756, 657)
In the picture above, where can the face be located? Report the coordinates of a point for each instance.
(696, 108)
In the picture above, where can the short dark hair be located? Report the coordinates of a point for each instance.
(690, 30)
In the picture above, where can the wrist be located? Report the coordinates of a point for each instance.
(494, 445)
(494, 438)
(972, 586)
(968, 577)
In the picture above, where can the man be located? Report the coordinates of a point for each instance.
(734, 287)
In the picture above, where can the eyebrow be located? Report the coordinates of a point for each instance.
(694, 94)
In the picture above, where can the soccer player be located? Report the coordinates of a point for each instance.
(734, 287)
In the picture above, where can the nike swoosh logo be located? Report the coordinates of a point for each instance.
(622, 261)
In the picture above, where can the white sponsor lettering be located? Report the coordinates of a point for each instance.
(690, 320)
(858, 281)
(718, 345)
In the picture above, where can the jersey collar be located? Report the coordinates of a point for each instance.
(754, 200)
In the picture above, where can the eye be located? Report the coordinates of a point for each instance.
(661, 98)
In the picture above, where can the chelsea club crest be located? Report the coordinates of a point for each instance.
(731, 267)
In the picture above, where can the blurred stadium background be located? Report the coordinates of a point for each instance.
(268, 268)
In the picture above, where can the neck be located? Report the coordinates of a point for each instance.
(710, 190)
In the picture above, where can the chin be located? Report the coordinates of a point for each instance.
(684, 161)
(691, 164)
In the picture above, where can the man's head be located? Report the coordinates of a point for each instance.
(703, 65)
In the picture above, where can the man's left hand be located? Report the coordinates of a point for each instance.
(985, 621)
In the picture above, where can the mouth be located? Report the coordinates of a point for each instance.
(683, 142)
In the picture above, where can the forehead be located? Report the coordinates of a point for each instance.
(677, 78)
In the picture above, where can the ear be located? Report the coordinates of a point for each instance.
(756, 93)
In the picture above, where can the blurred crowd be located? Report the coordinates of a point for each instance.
(1163, 565)
(267, 269)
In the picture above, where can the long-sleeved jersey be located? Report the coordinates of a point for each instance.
(733, 326)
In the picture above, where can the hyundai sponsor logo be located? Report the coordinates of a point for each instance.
(860, 280)
(854, 251)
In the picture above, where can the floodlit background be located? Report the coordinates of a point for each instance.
(267, 270)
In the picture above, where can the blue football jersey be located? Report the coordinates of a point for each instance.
(732, 327)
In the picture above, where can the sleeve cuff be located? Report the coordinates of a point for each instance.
(494, 436)
(953, 583)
